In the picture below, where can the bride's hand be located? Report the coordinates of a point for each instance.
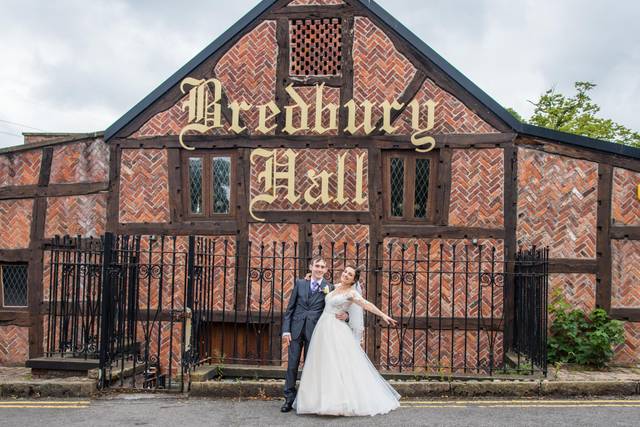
(390, 321)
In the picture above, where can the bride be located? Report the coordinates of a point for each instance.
(338, 378)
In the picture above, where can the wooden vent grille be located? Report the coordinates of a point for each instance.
(316, 47)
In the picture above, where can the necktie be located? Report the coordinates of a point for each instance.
(315, 286)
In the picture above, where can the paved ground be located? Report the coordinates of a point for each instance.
(139, 410)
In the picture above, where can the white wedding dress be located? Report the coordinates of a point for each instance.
(338, 378)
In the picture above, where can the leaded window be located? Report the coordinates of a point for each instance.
(408, 180)
(14, 285)
(208, 180)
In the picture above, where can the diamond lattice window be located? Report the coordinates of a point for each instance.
(221, 185)
(195, 184)
(409, 178)
(14, 285)
(316, 47)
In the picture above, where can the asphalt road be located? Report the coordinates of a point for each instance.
(150, 410)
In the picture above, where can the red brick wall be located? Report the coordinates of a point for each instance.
(330, 95)
(171, 122)
(557, 204)
(477, 188)
(349, 248)
(579, 290)
(14, 345)
(625, 206)
(452, 116)
(144, 186)
(15, 223)
(628, 353)
(318, 160)
(625, 274)
(283, 271)
(248, 70)
(432, 353)
(21, 168)
(380, 72)
(76, 215)
(80, 162)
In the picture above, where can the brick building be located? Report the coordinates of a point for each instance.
(320, 121)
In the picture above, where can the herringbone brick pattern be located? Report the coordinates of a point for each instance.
(380, 72)
(557, 204)
(477, 188)
(275, 274)
(341, 246)
(169, 335)
(272, 267)
(452, 116)
(432, 353)
(15, 223)
(579, 290)
(315, 3)
(217, 285)
(164, 276)
(423, 278)
(14, 345)
(80, 162)
(330, 95)
(20, 168)
(248, 70)
(76, 215)
(625, 274)
(171, 122)
(144, 186)
(319, 161)
(628, 353)
(625, 206)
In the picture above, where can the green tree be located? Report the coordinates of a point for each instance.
(578, 115)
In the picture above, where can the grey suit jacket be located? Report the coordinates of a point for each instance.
(304, 309)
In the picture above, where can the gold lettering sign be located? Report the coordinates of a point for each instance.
(277, 178)
(205, 113)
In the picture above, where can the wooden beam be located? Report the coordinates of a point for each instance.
(491, 140)
(346, 93)
(441, 232)
(15, 318)
(580, 153)
(318, 217)
(603, 240)
(444, 186)
(564, 265)
(409, 93)
(206, 228)
(113, 196)
(510, 212)
(625, 232)
(15, 255)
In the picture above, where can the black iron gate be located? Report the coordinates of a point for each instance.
(155, 308)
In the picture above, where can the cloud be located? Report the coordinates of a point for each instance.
(77, 66)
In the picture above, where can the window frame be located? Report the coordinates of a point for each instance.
(207, 184)
(409, 185)
(3, 306)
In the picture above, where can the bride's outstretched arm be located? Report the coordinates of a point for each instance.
(366, 305)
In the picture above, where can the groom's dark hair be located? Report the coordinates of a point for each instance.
(316, 259)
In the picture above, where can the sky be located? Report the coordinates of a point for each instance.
(78, 65)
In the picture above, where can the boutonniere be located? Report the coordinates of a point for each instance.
(325, 290)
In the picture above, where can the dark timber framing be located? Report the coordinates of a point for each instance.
(512, 136)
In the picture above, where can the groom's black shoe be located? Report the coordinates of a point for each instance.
(287, 406)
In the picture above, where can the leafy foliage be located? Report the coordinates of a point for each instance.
(577, 338)
(578, 115)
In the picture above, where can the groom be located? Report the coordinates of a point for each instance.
(305, 307)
